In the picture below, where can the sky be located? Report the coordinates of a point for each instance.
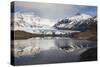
(51, 11)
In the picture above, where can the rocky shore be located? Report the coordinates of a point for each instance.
(89, 55)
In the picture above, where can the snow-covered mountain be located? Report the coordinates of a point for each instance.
(27, 22)
(77, 22)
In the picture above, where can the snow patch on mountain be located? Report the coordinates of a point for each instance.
(28, 22)
(75, 22)
(79, 17)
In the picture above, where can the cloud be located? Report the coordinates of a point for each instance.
(53, 12)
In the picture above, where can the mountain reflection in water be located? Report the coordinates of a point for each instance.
(49, 50)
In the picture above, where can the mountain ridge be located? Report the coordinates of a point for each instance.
(27, 22)
(77, 22)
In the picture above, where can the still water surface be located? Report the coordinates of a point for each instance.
(49, 50)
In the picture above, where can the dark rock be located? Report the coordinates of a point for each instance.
(89, 55)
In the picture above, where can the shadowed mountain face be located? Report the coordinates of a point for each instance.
(28, 23)
(52, 33)
(81, 22)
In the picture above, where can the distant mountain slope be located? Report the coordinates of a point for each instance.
(27, 22)
(78, 22)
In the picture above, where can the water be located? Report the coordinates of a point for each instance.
(49, 50)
